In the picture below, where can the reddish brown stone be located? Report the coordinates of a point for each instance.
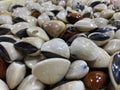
(95, 80)
(73, 17)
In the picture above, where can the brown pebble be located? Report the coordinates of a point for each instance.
(95, 80)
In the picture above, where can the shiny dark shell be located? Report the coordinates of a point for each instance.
(7, 39)
(25, 47)
(16, 6)
(4, 54)
(55, 12)
(70, 40)
(93, 4)
(87, 15)
(51, 55)
(73, 17)
(4, 31)
(80, 6)
(99, 37)
(103, 30)
(116, 24)
(35, 13)
(69, 32)
(22, 33)
(116, 67)
(18, 19)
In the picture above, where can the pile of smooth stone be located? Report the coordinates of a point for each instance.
(60, 45)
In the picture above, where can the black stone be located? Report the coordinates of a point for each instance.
(116, 67)
(99, 37)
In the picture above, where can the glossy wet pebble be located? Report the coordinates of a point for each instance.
(95, 80)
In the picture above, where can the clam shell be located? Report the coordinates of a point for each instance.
(47, 72)
(85, 25)
(73, 85)
(19, 29)
(42, 19)
(102, 61)
(116, 16)
(112, 46)
(18, 12)
(5, 19)
(100, 22)
(85, 49)
(5, 29)
(15, 74)
(31, 20)
(3, 85)
(100, 7)
(62, 16)
(37, 32)
(31, 83)
(57, 47)
(54, 27)
(29, 45)
(78, 70)
(8, 38)
(114, 70)
(117, 34)
(107, 13)
(9, 53)
(18, 19)
(30, 61)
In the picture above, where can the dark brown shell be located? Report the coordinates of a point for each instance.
(3, 68)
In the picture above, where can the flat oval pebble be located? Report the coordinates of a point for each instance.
(51, 71)
(85, 24)
(78, 70)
